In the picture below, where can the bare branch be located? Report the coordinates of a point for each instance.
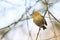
(53, 16)
(52, 26)
(38, 34)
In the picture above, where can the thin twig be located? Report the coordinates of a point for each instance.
(7, 31)
(52, 37)
(46, 7)
(27, 21)
(4, 34)
(20, 19)
(52, 25)
(54, 17)
(38, 34)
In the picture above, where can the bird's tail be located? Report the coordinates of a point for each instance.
(44, 27)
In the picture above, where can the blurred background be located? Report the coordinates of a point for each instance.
(17, 24)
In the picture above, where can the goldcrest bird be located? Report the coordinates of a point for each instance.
(38, 19)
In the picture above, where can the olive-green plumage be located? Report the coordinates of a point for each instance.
(38, 19)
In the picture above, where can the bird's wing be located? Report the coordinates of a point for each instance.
(45, 22)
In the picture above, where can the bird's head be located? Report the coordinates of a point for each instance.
(35, 13)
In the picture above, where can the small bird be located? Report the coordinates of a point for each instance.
(38, 19)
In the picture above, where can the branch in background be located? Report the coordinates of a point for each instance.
(46, 11)
(38, 34)
(20, 19)
(52, 37)
(38, 0)
(46, 4)
(4, 34)
(3, 31)
(53, 16)
(8, 28)
(52, 26)
(15, 23)
(29, 32)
